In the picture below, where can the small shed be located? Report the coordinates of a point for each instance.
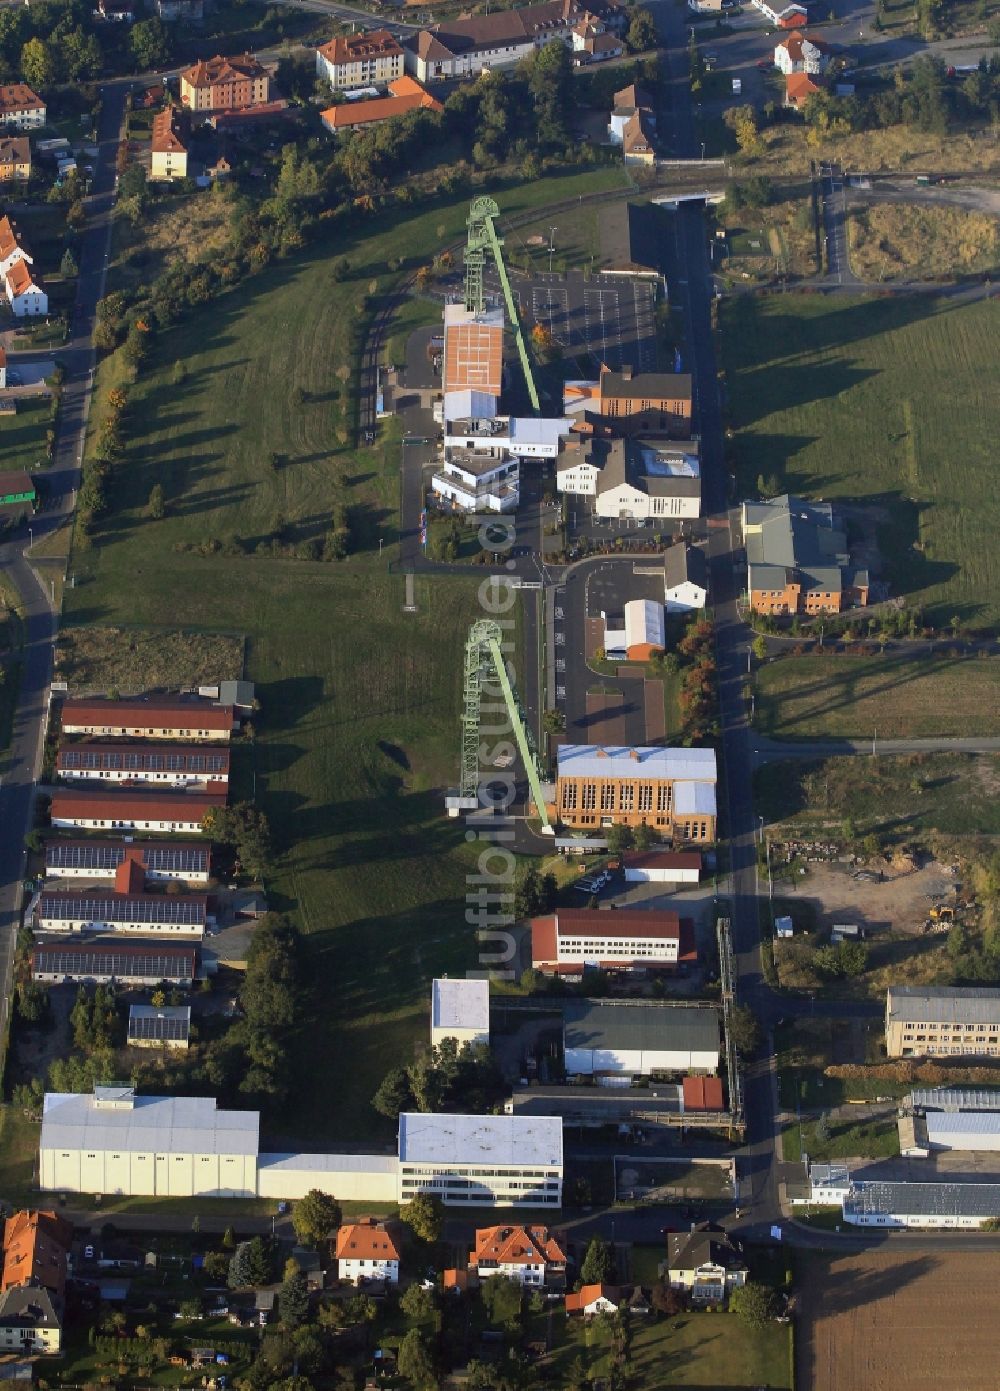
(845, 932)
(310, 1265)
(784, 927)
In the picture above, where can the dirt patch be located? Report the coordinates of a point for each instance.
(898, 902)
(605, 718)
(892, 240)
(593, 636)
(876, 1321)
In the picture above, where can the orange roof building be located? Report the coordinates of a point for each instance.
(405, 95)
(593, 1299)
(799, 87)
(528, 1254)
(357, 60)
(703, 1094)
(35, 1246)
(225, 84)
(367, 1250)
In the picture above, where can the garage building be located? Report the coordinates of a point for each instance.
(661, 866)
(638, 1039)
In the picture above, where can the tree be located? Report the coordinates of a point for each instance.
(821, 1129)
(760, 647)
(37, 64)
(665, 1299)
(293, 1297)
(502, 1298)
(67, 266)
(157, 507)
(424, 1215)
(619, 838)
(643, 836)
(394, 1094)
(742, 121)
(554, 721)
(150, 43)
(641, 35)
(744, 1029)
(417, 1303)
(534, 893)
(598, 1266)
(414, 1360)
(756, 1305)
(229, 1239)
(550, 82)
(315, 1217)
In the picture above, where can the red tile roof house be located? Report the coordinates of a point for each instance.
(527, 1254)
(404, 95)
(150, 719)
(367, 1250)
(124, 810)
(594, 1299)
(799, 87)
(566, 942)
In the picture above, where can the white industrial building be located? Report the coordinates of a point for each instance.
(934, 1205)
(354, 1178)
(469, 423)
(157, 1146)
(147, 1146)
(661, 866)
(478, 480)
(460, 1009)
(639, 1039)
(497, 1161)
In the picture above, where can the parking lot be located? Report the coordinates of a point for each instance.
(606, 319)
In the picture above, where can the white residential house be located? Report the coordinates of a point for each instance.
(578, 468)
(358, 60)
(796, 53)
(25, 294)
(593, 1299)
(649, 480)
(367, 1250)
(530, 1255)
(479, 480)
(630, 101)
(706, 1264)
(685, 579)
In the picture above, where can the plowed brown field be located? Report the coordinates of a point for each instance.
(914, 1319)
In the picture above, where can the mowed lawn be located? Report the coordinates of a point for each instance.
(889, 402)
(851, 697)
(358, 735)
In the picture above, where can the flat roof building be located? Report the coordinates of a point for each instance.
(159, 1026)
(870, 1203)
(571, 940)
(460, 1009)
(112, 1141)
(670, 790)
(128, 963)
(639, 1039)
(501, 1161)
(473, 350)
(942, 1021)
(798, 561)
(661, 866)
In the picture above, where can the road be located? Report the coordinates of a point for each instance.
(23, 760)
(774, 750)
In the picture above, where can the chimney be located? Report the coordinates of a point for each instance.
(626, 372)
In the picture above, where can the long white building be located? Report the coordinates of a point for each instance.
(118, 1143)
(99, 910)
(496, 1161)
(147, 1146)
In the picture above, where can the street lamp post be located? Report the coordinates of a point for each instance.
(552, 245)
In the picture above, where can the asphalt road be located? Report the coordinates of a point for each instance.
(23, 759)
(774, 750)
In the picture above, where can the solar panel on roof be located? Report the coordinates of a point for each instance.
(108, 855)
(158, 1027)
(129, 910)
(157, 965)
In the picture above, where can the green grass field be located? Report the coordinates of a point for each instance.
(886, 402)
(950, 793)
(851, 697)
(22, 436)
(358, 734)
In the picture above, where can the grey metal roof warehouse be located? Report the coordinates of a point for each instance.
(621, 1027)
(146, 1124)
(956, 1098)
(943, 1004)
(924, 1199)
